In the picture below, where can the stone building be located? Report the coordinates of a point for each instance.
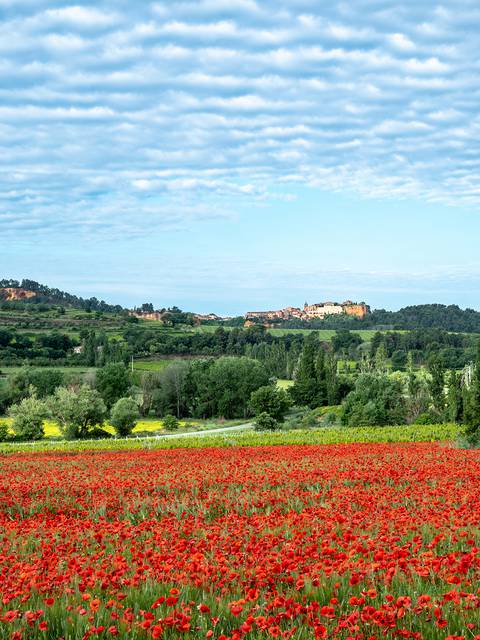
(322, 309)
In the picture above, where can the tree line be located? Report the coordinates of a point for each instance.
(52, 295)
(376, 395)
(279, 354)
(425, 316)
(242, 387)
(16, 347)
(80, 405)
(456, 350)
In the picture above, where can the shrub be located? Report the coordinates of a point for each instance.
(312, 418)
(28, 416)
(265, 422)
(428, 417)
(321, 416)
(124, 416)
(97, 433)
(330, 419)
(269, 399)
(3, 431)
(171, 423)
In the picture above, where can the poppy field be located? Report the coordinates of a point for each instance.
(346, 541)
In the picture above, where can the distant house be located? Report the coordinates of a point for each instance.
(210, 317)
(263, 315)
(147, 315)
(322, 309)
(292, 312)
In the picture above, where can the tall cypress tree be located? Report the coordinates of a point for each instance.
(381, 358)
(331, 379)
(90, 349)
(472, 400)
(436, 385)
(321, 374)
(412, 384)
(304, 390)
(455, 398)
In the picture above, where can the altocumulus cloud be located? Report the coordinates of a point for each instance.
(118, 113)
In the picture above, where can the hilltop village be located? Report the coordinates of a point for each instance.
(12, 292)
(315, 311)
(318, 310)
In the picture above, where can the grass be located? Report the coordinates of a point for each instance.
(9, 371)
(284, 384)
(347, 366)
(326, 435)
(151, 365)
(138, 365)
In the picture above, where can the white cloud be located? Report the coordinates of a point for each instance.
(430, 65)
(401, 41)
(444, 115)
(104, 104)
(216, 29)
(81, 16)
(67, 42)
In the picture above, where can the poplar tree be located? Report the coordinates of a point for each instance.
(381, 359)
(436, 385)
(455, 398)
(90, 349)
(331, 379)
(321, 375)
(412, 384)
(305, 389)
(472, 400)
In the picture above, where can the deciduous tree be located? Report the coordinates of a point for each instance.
(28, 416)
(112, 383)
(123, 417)
(77, 412)
(269, 399)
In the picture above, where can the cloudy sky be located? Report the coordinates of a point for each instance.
(230, 154)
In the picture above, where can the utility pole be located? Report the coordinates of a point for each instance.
(132, 364)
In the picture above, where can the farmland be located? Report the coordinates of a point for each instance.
(342, 541)
(323, 334)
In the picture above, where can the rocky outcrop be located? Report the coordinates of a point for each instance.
(11, 294)
(358, 310)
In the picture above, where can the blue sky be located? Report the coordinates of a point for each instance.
(232, 154)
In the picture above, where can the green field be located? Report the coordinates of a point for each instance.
(138, 365)
(326, 435)
(323, 334)
(151, 365)
(8, 371)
